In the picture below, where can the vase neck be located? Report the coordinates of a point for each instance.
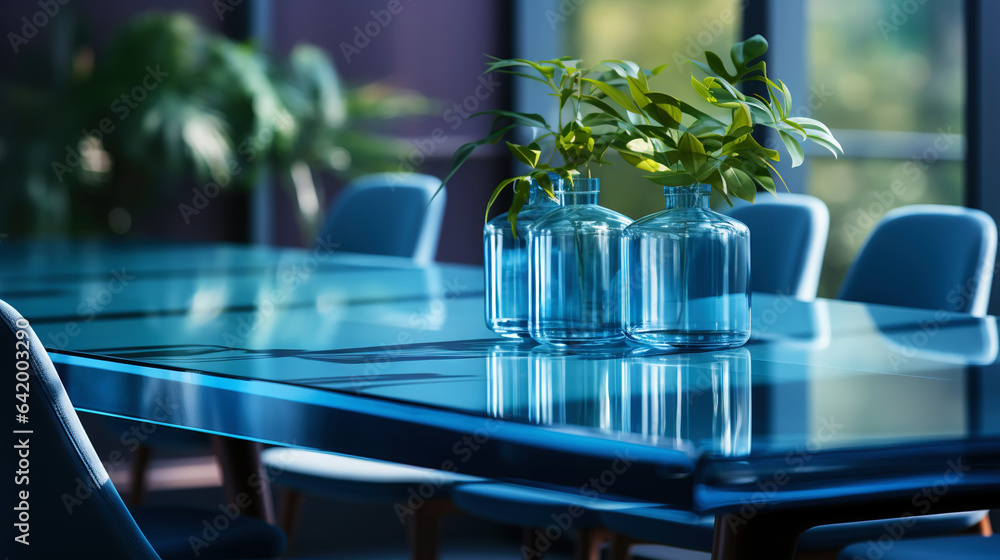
(582, 191)
(537, 196)
(691, 196)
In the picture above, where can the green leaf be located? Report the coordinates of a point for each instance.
(739, 184)
(566, 175)
(730, 100)
(638, 92)
(601, 105)
(664, 109)
(787, 95)
(545, 182)
(547, 71)
(707, 125)
(760, 111)
(641, 78)
(702, 90)
(496, 192)
(718, 184)
(748, 145)
(615, 95)
(692, 152)
(742, 121)
(523, 75)
(819, 133)
(789, 126)
(717, 66)
(833, 147)
(746, 51)
(767, 183)
(599, 119)
(658, 69)
(520, 197)
(639, 162)
(565, 94)
(526, 155)
(624, 68)
(793, 147)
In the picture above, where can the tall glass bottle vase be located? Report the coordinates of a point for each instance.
(506, 265)
(575, 254)
(688, 275)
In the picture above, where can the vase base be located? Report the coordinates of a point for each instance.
(574, 338)
(509, 328)
(691, 340)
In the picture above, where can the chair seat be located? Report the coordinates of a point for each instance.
(340, 477)
(686, 530)
(181, 533)
(941, 548)
(533, 507)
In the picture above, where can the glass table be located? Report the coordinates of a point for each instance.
(835, 411)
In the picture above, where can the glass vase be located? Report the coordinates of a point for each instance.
(703, 398)
(506, 265)
(575, 271)
(687, 269)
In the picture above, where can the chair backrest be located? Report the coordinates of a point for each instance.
(71, 508)
(929, 256)
(388, 214)
(787, 243)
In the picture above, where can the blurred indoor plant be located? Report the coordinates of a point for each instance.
(169, 104)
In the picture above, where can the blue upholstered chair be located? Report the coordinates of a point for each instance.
(942, 548)
(628, 523)
(787, 243)
(388, 214)
(393, 214)
(69, 504)
(685, 530)
(928, 256)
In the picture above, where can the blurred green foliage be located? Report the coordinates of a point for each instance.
(893, 69)
(169, 104)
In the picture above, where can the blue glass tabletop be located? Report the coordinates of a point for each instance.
(374, 356)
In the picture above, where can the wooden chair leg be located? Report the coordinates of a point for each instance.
(423, 529)
(139, 469)
(589, 541)
(985, 527)
(289, 514)
(621, 547)
(244, 477)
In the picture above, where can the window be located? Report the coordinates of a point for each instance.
(889, 77)
(651, 33)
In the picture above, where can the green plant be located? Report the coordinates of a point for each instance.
(219, 110)
(580, 140)
(693, 147)
(614, 108)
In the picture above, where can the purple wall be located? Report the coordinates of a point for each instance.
(436, 48)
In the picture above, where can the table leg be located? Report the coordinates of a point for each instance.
(244, 477)
(761, 536)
